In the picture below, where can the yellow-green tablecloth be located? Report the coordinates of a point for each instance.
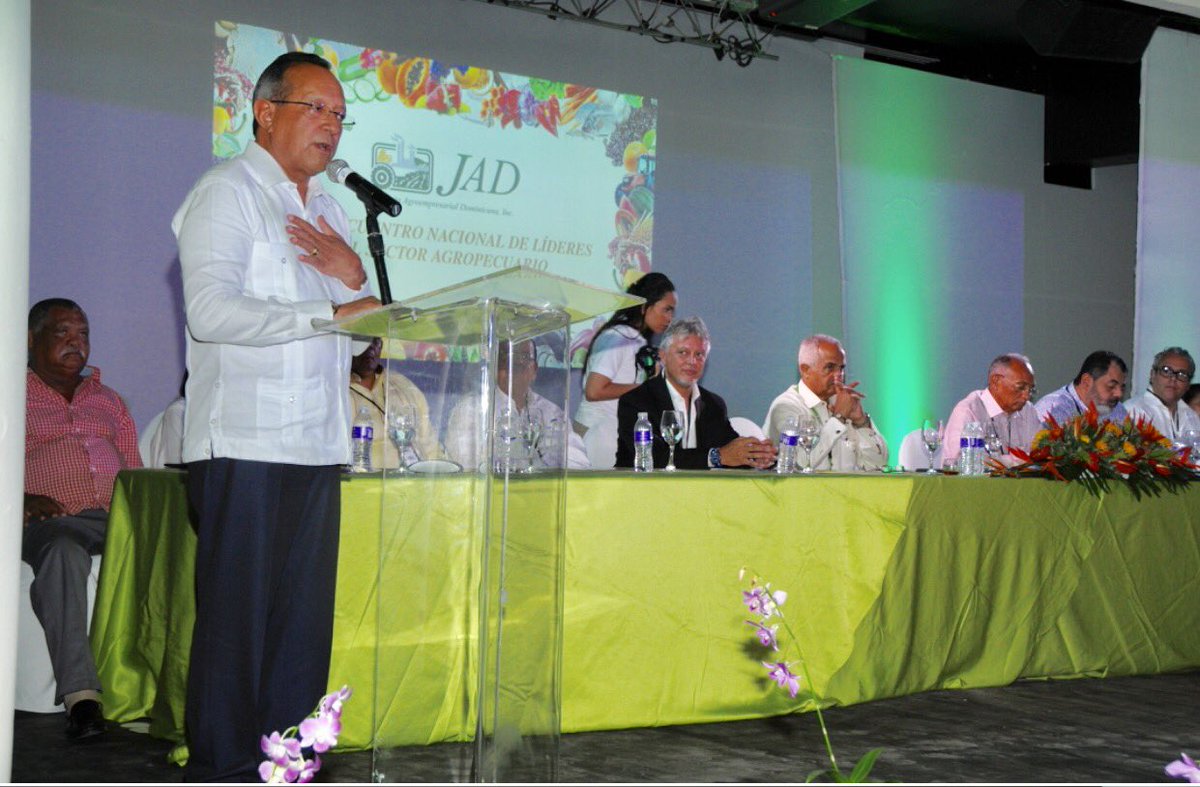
(897, 584)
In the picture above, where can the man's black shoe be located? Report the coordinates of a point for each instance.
(85, 720)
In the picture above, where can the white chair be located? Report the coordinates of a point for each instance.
(161, 442)
(912, 453)
(747, 428)
(35, 675)
(601, 447)
(147, 439)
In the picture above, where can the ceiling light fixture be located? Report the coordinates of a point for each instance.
(723, 26)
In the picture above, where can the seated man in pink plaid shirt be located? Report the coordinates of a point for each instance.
(78, 434)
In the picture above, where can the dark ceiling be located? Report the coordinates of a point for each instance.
(1011, 43)
(1084, 56)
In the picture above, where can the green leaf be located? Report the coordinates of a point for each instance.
(863, 767)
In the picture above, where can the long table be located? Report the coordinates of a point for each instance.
(897, 584)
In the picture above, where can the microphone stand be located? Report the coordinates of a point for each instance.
(375, 244)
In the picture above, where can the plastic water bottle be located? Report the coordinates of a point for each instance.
(789, 441)
(643, 438)
(362, 434)
(970, 446)
(965, 463)
(978, 451)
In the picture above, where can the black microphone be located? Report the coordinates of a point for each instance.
(376, 199)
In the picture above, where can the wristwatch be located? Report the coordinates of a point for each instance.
(714, 457)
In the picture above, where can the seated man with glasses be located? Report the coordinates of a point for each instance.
(708, 439)
(1005, 404)
(1161, 405)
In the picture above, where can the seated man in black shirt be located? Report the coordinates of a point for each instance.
(708, 438)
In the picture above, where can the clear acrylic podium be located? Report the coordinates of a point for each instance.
(469, 597)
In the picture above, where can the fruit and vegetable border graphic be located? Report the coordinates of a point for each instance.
(623, 124)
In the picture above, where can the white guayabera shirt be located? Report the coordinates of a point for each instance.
(263, 384)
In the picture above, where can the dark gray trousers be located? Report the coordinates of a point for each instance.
(60, 551)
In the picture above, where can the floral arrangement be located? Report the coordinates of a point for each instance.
(1183, 768)
(1093, 452)
(764, 604)
(318, 733)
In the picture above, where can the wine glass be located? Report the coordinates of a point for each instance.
(671, 426)
(531, 432)
(402, 427)
(992, 441)
(931, 436)
(809, 434)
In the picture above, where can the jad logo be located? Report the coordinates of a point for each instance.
(400, 166)
(407, 168)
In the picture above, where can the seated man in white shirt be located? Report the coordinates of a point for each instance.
(1161, 404)
(513, 394)
(1005, 403)
(373, 385)
(848, 439)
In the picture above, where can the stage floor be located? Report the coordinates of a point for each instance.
(1086, 730)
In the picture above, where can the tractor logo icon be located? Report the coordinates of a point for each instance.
(399, 166)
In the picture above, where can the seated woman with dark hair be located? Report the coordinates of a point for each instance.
(619, 360)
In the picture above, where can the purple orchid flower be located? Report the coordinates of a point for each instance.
(753, 599)
(277, 773)
(285, 761)
(331, 704)
(1183, 768)
(308, 770)
(772, 602)
(766, 636)
(266, 772)
(780, 673)
(321, 733)
(280, 750)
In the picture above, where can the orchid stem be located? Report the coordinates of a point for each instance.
(812, 691)
(795, 645)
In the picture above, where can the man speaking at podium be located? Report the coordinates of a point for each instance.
(262, 250)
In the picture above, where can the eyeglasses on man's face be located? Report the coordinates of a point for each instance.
(1022, 388)
(316, 109)
(1183, 375)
